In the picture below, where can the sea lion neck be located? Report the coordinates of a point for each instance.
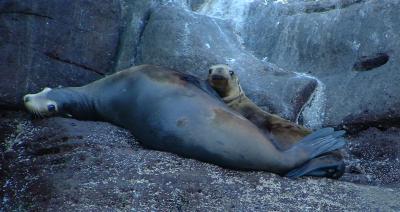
(232, 92)
(74, 102)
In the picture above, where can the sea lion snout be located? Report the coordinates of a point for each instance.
(27, 98)
(223, 80)
(220, 72)
(40, 104)
(218, 77)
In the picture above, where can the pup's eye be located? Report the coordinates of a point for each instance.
(209, 71)
(231, 73)
(51, 108)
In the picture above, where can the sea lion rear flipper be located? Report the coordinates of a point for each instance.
(323, 166)
(320, 142)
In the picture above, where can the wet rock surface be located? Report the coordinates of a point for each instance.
(65, 164)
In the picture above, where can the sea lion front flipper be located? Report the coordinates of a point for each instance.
(285, 132)
(276, 122)
(323, 166)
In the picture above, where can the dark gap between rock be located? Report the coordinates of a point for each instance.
(366, 63)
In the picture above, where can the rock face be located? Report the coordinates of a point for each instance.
(63, 43)
(41, 45)
(44, 47)
(343, 43)
(185, 46)
(65, 164)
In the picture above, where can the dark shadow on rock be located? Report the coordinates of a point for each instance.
(367, 63)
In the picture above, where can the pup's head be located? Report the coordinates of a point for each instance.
(223, 79)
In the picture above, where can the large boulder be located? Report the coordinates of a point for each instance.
(340, 42)
(352, 46)
(65, 165)
(189, 42)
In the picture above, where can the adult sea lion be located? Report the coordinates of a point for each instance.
(170, 111)
(285, 133)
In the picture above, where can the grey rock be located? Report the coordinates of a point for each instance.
(330, 39)
(374, 158)
(196, 4)
(64, 43)
(135, 16)
(53, 44)
(191, 43)
(65, 164)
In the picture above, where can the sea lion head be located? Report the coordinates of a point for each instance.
(40, 104)
(223, 79)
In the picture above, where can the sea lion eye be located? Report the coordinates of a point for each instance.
(51, 108)
(231, 73)
(209, 71)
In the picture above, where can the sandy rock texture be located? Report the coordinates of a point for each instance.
(65, 164)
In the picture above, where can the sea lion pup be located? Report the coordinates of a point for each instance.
(226, 83)
(285, 133)
(174, 112)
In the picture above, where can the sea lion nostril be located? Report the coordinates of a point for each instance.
(218, 77)
(27, 98)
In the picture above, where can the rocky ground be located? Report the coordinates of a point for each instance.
(65, 164)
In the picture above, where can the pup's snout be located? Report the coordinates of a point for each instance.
(217, 77)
